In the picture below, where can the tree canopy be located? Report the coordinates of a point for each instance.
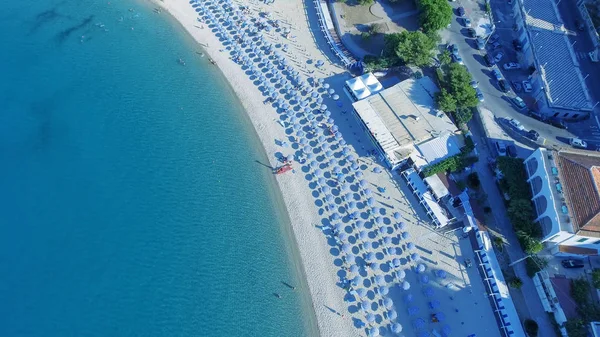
(445, 101)
(435, 14)
(414, 48)
(458, 83)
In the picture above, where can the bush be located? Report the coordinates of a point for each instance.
(580, 291)
(515, 282)
(535, 264)
(473, 180)
(435, 14)
(469, 144)
(596, 278)
(462, 115)
(531, 327)
(455, 163)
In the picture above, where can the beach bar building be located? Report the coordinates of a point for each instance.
(403, 124)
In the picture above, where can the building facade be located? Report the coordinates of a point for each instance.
(565, 191)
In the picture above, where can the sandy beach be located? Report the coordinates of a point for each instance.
(390, 218)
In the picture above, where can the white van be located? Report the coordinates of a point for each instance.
(577, 142)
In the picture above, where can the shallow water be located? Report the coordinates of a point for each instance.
(132, 202)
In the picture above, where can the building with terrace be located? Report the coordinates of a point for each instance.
(566, 197)
(403, 124)
(558, 84)
(363, 86)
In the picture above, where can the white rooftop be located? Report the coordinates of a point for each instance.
(565, 87)
(402, 116)
(364, 86)
(439, 148)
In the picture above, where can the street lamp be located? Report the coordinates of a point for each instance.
(519, 260)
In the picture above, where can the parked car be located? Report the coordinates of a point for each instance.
(533, 135)
(511, 66)
(489, 60)
(511, 150)
(516, 124)
(517, 44)
(460, 11)
(454, 49)
(456, 58)
(497, 75)
(503, 85)
(479, 94)
(517, 86)
(536, 115)
(518, 102)
(467, 22)
(557, 123)
(501, 148)
(527, 86)
(572, 263)
(498, 57)
(496, 45)
(480, 43)
(494, 38)
(578, 143)
(474, 84)
(471, 32)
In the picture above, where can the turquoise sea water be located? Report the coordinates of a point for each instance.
(132, 200)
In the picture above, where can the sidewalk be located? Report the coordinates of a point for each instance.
(526, 300)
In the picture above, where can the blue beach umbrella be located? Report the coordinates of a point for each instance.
(370, 201)
(405, 235)
(370, 318)
(397, 215)
(350, 258)
(421, 268)
(346, 248)
(383, 290)
(375, 266)
(392, 314)
(387, 302)
(410, 246)
(321, 181)
(409, 298)
(396, 262)
(441, 274)
(396, 328)
(360, 224)
(424, 279)
(370, 257)
(405, 285)
(368, 192)
(361, 292)
(373, 332)
(354, 166)
(380, 280)
(357, 280)
(415, 257)
(354, 268)
(368, 246)
(401, 226)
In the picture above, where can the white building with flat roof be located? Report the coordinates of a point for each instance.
(402, 123)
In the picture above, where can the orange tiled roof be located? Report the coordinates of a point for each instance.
(580, 177)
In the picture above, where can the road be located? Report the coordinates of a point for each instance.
(499, 103)
(494, 99)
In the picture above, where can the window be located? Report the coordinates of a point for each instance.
(555, 115)
(597, 242)
(555, 236)
(575, 115)
(582, 240)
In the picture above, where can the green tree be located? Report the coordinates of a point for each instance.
(462, 115)
(376, 28)
(390, 42)
(458, 83)
(435, 14)
(366, 2)
(520, 213)
(445, 58)
(535, 264)
(415, 48)
(445, 101)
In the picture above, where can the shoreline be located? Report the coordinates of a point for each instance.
(315, 263)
